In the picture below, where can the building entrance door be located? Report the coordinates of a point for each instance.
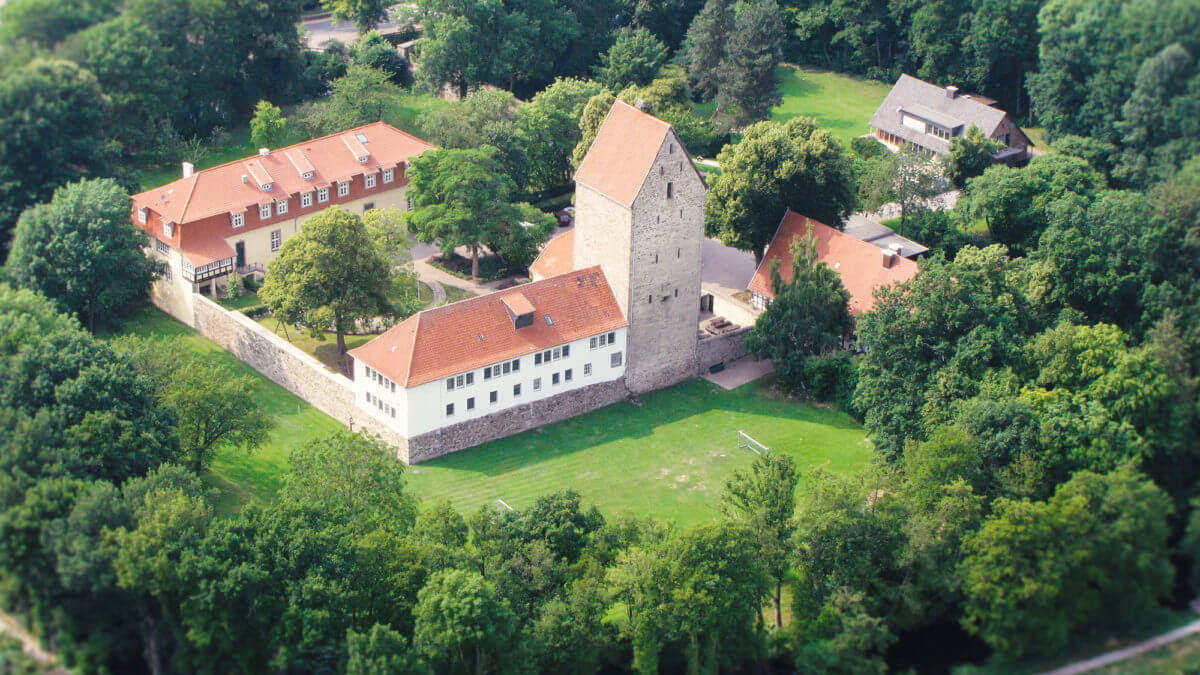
(240, 247)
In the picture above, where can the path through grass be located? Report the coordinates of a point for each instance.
(668, 457)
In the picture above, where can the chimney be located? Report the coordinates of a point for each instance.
(188, 169)
(951, 92)
(889, 258)
(263, 152)
(245, 178)
(897, 249)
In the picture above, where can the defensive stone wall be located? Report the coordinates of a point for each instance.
(716, 349)
(289, 367)
(513, 421)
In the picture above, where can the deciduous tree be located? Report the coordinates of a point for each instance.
(634, 58)
(775, 167)
(329, 275)
(365, 14)
(970, 154)
(268, 125)
(81, 251)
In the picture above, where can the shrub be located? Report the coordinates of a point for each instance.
(832, 378)
(256, 311)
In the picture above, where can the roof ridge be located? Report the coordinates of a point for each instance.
(188, 200)
(296, 145)
(656, 118)
(412, 352)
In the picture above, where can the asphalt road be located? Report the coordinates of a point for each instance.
(323, 29)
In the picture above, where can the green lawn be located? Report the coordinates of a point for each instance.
(668, 457)
(843, 104)
(242, 476)
(454, 293)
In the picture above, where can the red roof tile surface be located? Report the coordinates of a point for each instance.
(558, 257)
(623, 153)
(860, 263)
(478, 332)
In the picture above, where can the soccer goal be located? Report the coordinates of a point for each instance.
(744, 441)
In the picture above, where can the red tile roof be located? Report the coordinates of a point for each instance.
(558, 257)
(478, 332)
(860, 263)
(221, 190)
(623, 153)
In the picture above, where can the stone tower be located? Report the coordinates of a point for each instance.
(639, 214)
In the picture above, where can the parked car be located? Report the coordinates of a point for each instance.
(565, 217)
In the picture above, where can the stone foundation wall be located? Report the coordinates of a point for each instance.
(513, 421)
(289, 367)
(721, 348)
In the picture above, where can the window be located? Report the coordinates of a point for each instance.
(592, 343)
(305, 200)
(506, 367)
(323, 194)
(393, 411)
(238, 219)
(537, 359)
(670, 193)
(369, 397)
(368, 206)
(671, 148)
(537, 383)
(554, 378)
(343, 189)
(493, 396)
(389, 175)
(449, 384)
(516, 390)
(612, 337)
(162, 246)
(470, 378)
(567, 375)
(410, 202)
(167, 273)
(616, 359)
(393, 387)
(449, 410)
(566, 351)
(678, 252)
(370, 180)
(649, 299)
(557, 353)
(516, 365)
(276, 239)
(281, 206)
(458, 381)
(471, 403)
(143, 213)
(487, 373)
(264, 211)
(677, 292)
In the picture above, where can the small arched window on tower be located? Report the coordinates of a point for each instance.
(670, 190)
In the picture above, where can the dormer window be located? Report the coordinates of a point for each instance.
(169, 229)
(267, 187)
(305, 200)
(344, 189)
(143, 215)
(264, 211)
(238, 219)
(370, 180)
(281, 206)
(362, 159)
(389, 175)
(307, 175)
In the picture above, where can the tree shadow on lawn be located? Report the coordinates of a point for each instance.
(625, 421)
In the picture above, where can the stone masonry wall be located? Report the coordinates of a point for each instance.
(721, 348)
(289, 367)
(664, 283)
(513, 421)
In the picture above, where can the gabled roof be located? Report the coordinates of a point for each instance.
(557, 257)
(623, 153)
(332, 158)
(860, 263)
(934, 104)
(480, 331)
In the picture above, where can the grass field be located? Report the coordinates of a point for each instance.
(843, 104)
(668, 458)
(242, 476)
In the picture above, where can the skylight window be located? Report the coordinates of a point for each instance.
(362, 138)
(549, 321)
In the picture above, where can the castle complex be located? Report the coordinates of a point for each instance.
(612, 311)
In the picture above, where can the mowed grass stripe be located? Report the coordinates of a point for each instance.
(668, 458)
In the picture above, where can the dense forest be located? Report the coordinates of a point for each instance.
(1031, 395)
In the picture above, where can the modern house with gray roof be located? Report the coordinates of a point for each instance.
(928, 116)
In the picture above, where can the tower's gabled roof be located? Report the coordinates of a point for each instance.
(623, 153)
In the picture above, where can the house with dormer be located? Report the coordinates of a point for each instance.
(234, 218)
(928, 117)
